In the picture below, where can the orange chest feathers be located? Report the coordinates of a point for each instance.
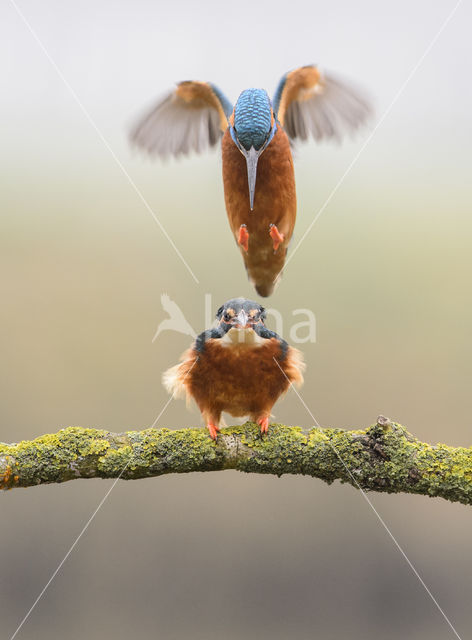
(275, 197)
(242, 367)
(242, 379)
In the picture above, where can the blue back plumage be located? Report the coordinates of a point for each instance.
(252, 118)
(278, 93)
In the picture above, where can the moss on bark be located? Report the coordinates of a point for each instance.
(384, 457)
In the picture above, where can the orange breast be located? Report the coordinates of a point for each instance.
(241, 380)
(274, 203)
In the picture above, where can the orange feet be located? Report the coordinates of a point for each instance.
(277, 237)
(263, 422)
(213, 429)
(243, 238)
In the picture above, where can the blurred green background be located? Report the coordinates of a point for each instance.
(386, 270)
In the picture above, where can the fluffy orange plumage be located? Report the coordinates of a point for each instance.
(258, 171)
(240, 367)
(275, 203)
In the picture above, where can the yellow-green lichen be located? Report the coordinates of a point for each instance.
(384, 457)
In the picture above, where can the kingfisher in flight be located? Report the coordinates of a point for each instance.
(240, 367)
(257, 134)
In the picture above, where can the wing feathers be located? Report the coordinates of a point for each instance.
(308, 102)
(294, 366)
(174, 378)
(191, 118)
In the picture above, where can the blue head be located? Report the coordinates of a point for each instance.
(252, 130)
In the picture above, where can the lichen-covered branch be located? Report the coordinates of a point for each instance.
(384, 457)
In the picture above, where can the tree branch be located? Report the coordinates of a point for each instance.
(384, 457)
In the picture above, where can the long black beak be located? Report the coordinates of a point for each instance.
(252, 156)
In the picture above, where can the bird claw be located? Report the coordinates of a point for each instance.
(213, 429)
(263, 422)
(277, 237)
(243, 238)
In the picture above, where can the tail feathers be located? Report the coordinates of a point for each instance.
(264, 266)
(264, 289)
(265, 279)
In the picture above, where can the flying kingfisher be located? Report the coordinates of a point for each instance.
(258, 175)
(240, 366)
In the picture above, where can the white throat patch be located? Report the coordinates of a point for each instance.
(241, 336)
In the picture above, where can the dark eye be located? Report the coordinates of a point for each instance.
(226, 317)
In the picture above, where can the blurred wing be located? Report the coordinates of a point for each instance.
(308, 102)
(191, 118)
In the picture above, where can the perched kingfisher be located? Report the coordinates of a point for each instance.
(257, 135)
(239, 366)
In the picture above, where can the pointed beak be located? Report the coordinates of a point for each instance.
(252, 156)
(242, 319)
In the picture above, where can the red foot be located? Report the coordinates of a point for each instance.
(264, 423)
(213, 429)
(277, 237)
(243, 238)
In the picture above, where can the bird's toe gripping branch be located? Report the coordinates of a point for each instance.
(214, 430)
(263, 422)
(243, 238)
(277, 237)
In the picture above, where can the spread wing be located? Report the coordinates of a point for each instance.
(190, 118)
(308, 102)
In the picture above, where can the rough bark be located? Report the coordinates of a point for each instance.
(384, 457)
